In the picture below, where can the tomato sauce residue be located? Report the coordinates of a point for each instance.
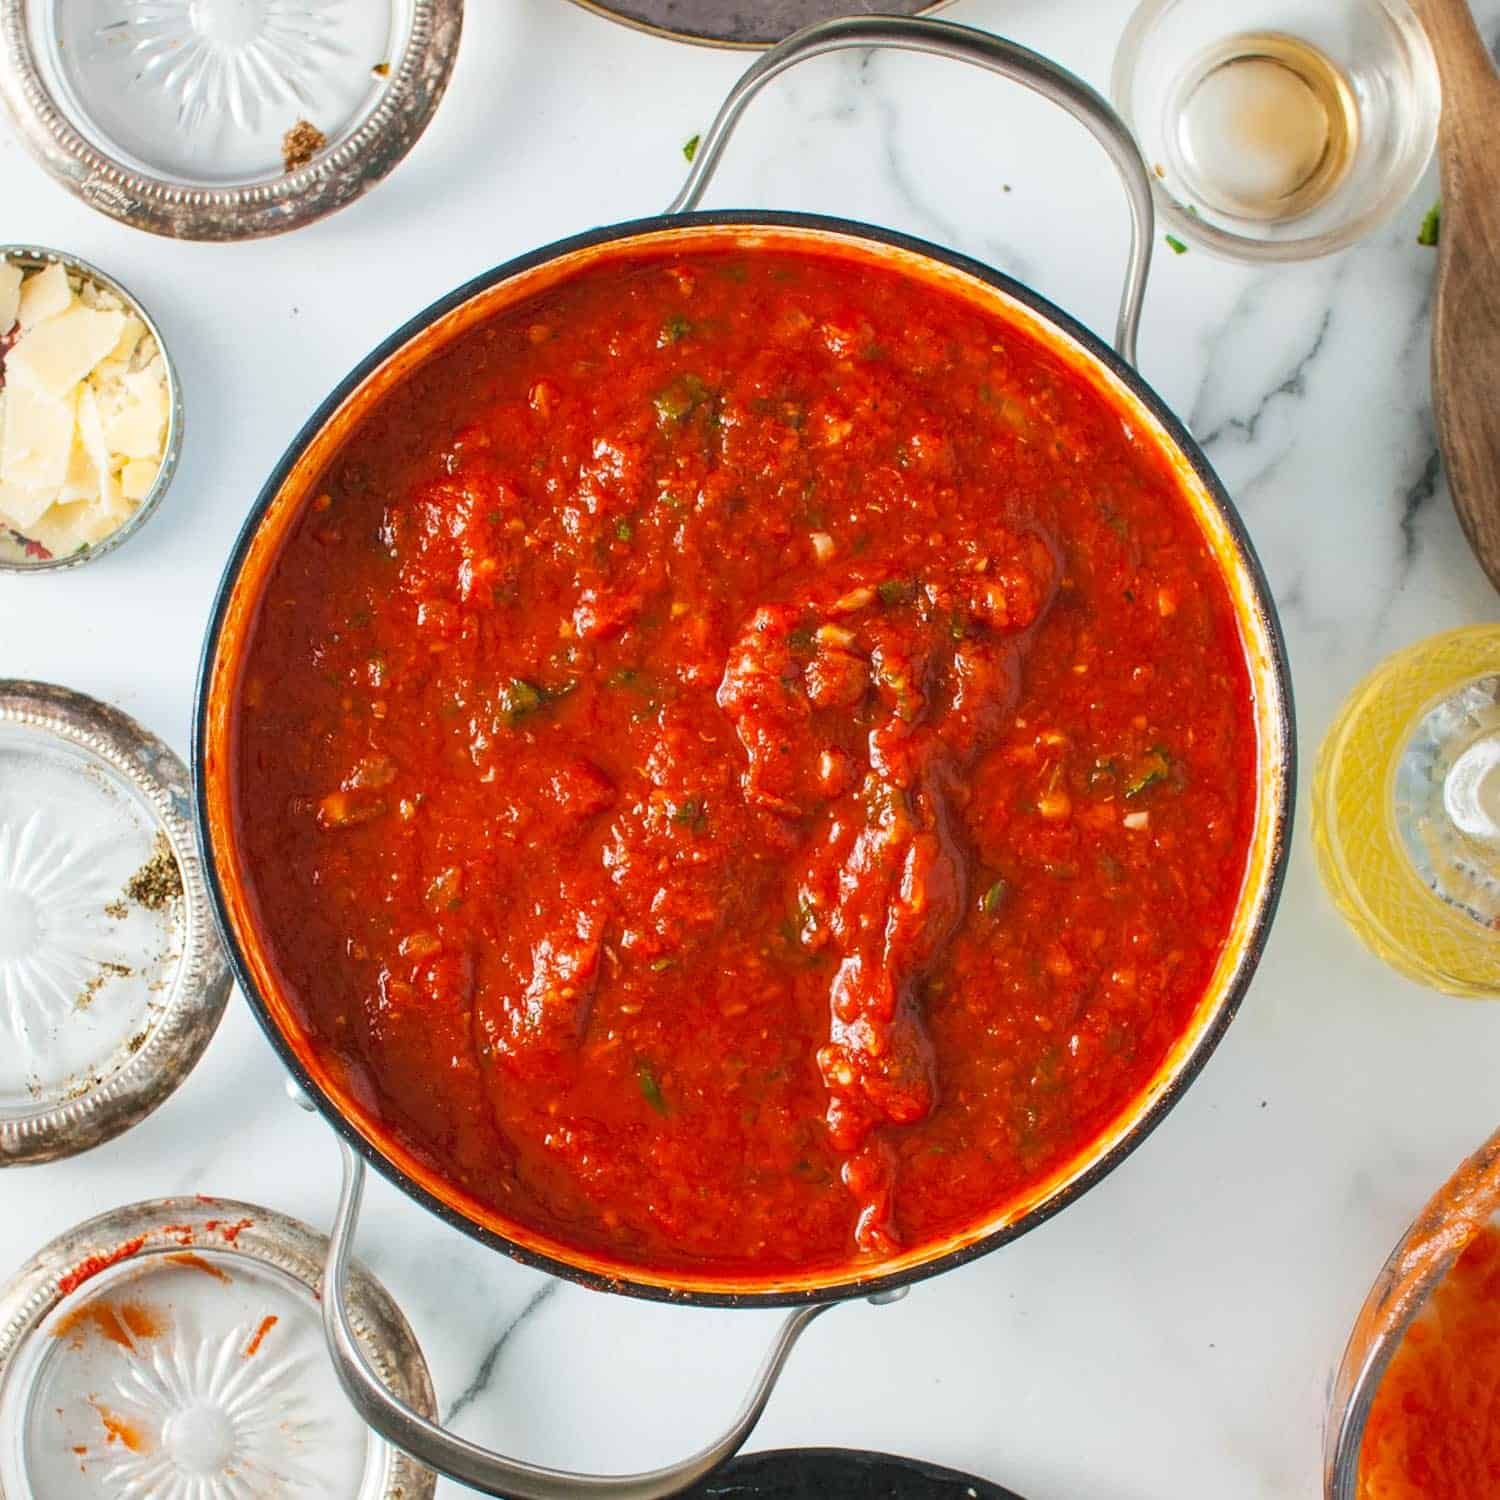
(267, 1323)
(195, 1262)
(226, 1231)
(122, 1323)
(747, 763)
(122, 1430)
(1433, 1432)
(91, 1267)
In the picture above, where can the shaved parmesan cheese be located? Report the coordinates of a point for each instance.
(149, 384)
(99, 297)
(38, 437)
(44, 295)
(130, 336)
(108, 378)
(111, 504)
(54, 356)
(137, 477)
(91, 434)
(65, 529)
(21, 506)
(84, 409)
(10, 296)
(134, 429)
(81, 482)
(95, 522)
(58, 539)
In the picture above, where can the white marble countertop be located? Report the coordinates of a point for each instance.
(1169, 1337)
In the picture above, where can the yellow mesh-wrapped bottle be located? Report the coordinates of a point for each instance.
(1406, 811)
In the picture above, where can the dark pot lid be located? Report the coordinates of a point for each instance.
(744, 23)
(842, 1474)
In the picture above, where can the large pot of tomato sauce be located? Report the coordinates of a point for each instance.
(743, 759)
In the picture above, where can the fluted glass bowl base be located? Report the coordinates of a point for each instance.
(206, 91)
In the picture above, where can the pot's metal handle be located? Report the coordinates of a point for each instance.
(479, 1468)
(963, 43)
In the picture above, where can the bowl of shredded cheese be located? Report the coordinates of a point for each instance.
(90, 412)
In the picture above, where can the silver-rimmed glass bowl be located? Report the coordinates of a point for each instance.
(222, 119)
(1219, 97)
(173, 1349)
(112, 978)
(18, 553)
(1425, 1254)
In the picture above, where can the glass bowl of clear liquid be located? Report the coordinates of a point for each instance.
(1278, 130)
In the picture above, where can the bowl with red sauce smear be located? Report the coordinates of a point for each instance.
(746, 758)
(1414, 1401)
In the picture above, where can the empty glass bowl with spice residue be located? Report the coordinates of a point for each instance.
(221, 120)
(112, 978)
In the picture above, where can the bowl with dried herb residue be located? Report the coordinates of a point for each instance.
(112, 978)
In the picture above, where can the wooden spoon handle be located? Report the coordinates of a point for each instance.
(1462, 57)
(1466, 310)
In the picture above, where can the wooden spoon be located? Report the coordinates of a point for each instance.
(1466, 316)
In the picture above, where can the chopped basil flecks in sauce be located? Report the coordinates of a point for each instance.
(680, 399)
(1152, 768)
(519, 698)
(650, 1089)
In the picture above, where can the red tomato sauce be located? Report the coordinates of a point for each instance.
(750, 761)
(1432, 1432)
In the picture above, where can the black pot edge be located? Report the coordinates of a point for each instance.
(841, 1474)
(1048, 312)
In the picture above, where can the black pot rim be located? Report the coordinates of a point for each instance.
(1255, 939)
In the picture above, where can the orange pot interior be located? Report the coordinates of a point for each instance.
(1257, 632)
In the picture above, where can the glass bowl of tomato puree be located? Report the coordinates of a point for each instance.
(1415, 1413)
(703, 643)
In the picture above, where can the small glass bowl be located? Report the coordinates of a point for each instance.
(16, 555)
(174, 1349)
(1389, 86)
(112, 976)
(1460, 1209)
(223, 119)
